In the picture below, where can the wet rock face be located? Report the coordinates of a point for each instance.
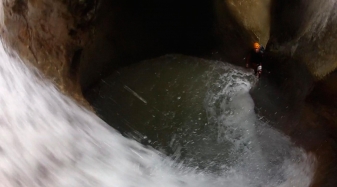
(47, 34)
(322, 102)
(51, 34)
(307, 31)
(238, 24)
(254, 16)
(64, 40)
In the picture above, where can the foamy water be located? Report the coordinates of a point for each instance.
(261, 155)
(47, 140)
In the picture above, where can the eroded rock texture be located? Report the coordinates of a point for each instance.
(254, 16)
(307, 31)
(77, 42)
(52, 34)
(49, 35)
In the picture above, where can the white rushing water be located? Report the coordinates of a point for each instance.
(47, 140)
(261, 156)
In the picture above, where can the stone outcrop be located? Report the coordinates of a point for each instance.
(55, 35)
(253, 15)
(306, 30)
(49, 35)
(77, 42)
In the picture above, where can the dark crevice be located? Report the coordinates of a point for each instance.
(286, 19)
(20, 6)
(75, 62)
(129, 31)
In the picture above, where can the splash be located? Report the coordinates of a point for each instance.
(46, 139)
(259, 154)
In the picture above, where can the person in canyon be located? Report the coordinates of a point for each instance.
(255, 57)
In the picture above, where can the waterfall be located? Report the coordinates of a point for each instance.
(46, 139)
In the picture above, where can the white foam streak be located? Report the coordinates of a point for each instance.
(255, 145)
(47, 140)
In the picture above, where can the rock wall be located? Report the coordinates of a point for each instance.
(47, 34)
(129, 31)
(254, 16)
(69, 46)
(77, 42)
(306, 30)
